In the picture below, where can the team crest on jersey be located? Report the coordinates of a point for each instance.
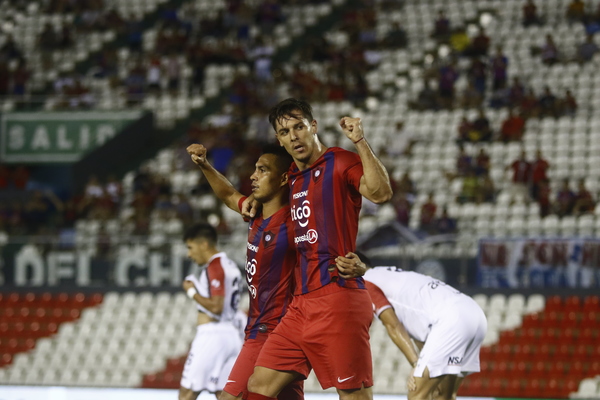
(215, 283)
(268, 238)
(317, 174)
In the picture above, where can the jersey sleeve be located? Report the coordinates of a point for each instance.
(216, 278)
(380, 302)
(240, 201)
(353, 170)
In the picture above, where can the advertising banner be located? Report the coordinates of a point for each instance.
(539, 262)
(61, 137)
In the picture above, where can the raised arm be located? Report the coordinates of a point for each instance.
(220, 185)
(375, 182)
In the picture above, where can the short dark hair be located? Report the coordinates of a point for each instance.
(201, 230)
(363, 257)
(289, 108)
(283, 158)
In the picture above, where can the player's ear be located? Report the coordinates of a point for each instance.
(313, 126)
(284, 179)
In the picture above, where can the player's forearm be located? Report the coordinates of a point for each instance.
(212, 304)
(401, 339)
(375, 183)
(223, 189)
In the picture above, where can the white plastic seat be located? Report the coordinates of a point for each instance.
(535, 303)
(497, 302)
(515, 303)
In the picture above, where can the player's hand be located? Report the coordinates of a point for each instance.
(352, 128)
(350, 266)
(187, 284)
(411, 382)
(250, 207)
(197, 152)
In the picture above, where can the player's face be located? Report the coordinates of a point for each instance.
(267, 181)
(298, 136)
(196, 250)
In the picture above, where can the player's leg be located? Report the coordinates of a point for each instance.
(223, 395)
(269, 382)
(355, 394)
(448, 388)
(187, 394)
(426, 386)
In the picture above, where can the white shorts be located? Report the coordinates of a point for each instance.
(453, 344)
(211, 357)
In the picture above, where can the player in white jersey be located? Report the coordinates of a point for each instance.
(216, 291)
(447, 325)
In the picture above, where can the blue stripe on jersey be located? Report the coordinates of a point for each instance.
(256, 242)
(304, 260)
(279, 255)
(327, 196)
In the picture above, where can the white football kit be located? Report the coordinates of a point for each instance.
(450, 323)
(216, 344)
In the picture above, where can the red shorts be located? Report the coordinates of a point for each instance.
(326, 330)
(244, 367)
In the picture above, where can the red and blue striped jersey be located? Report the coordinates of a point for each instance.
(325, 205)
(270, 261)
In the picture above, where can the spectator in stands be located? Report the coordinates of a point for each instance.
(464, 162)
(396, 37)
(448, 74)
(10, 49)
(565, 199)
(20, 177)
(486, 190)
(4, 78)
(516, 93)
(464, 130)
(262, 54)
(530, 16)
(513, 127)
(548, 103)
(530, 107)
(549, 51)
(584, 202)
(154, 70)
(136, 84)
(441, 29)
(460, 42)
(543, 195)
(406, 185)
(477, 74)
(427, 99)
(402, 206)
(587, 50)
(20, 79)
(568, 104)
(482, 163)
(470, 187)
(520, 179)
(480, 44)
(173, 71)
(499, 66)
(445, 224)
(47, 43)
(539, 173)
(268, 14)
(482, 131)
(470, 97)
(427, 217)
(576, 11)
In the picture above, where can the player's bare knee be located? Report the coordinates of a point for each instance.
(187, 394)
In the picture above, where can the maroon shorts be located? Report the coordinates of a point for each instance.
(244, 367)
(326, 330)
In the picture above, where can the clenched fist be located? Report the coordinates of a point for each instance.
(197, 152)
(352, 128)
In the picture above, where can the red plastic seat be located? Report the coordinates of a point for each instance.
(591, 303)
(553, 303)
(572, 303)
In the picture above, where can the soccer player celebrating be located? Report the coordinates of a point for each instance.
(216, 293)
(326, 327)
(270, 258)
(447, 325)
